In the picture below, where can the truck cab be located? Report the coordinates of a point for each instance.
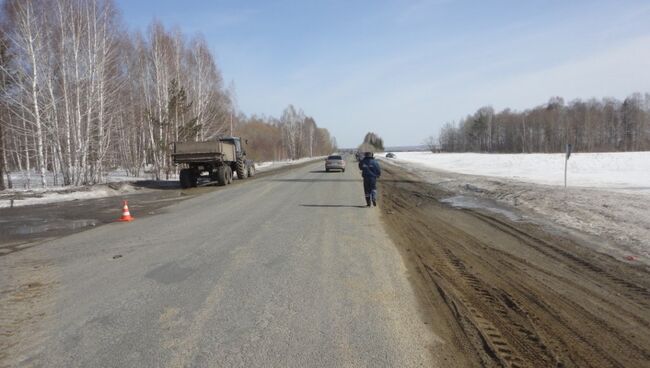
(238, 145)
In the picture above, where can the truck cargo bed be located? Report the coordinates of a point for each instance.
(209, 151)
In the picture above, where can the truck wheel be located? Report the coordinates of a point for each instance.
(241, 169)
(251, 170)
(187, 179)
(221, 175)
(228, 175)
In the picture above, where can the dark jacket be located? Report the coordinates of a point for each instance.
(369, 168)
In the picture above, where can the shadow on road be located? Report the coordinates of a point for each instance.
(316, 180)
(331, 206)
(347, 180)
(158, 184)
(172, 185)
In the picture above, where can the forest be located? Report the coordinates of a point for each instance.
(604, 125)
(81, 95)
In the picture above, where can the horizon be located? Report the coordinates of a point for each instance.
(364, 66)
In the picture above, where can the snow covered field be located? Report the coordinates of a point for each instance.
(619, 170)
(608, 197)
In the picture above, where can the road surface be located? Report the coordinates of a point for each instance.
(289, 270)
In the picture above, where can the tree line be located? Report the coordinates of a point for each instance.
(371, 143)
(594, 125)
(293, 135)
(81, 95)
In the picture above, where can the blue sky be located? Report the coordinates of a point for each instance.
(404, 68)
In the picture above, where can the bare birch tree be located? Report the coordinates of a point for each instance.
(81, 95)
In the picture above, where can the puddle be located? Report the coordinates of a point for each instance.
(479, 203)
(28, 229)
(37, 223)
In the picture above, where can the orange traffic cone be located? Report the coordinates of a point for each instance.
(126, 215)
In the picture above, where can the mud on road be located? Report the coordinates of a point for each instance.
(503, 293)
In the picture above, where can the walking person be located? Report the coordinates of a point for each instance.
(370, 171)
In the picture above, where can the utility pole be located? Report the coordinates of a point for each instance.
(566, 160)
(233, 105)
(311, 140)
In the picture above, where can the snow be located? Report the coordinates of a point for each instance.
(22, 196)
(272, 165)
(607, 202)
(29, 198)
(629, 171)
(19, 180)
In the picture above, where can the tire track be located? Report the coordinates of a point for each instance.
(518, 296)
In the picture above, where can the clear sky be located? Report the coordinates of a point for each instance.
(403, 68)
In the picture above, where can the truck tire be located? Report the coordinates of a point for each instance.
(251, 170)
(187, 179)
(221, 175)
(241, 169)
(228, 175)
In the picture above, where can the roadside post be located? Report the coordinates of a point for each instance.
(566, 160)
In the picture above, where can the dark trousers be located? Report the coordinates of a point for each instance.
(370, 189)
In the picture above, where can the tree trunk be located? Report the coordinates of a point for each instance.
(3, 162)
(37, 110)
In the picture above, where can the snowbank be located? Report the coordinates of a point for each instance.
(29, 198)
(20, 179)
(115, 183)
(607, 199)
(628, 171)
(272, 165)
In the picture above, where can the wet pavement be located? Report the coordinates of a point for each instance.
(23, 227)
(26, 226)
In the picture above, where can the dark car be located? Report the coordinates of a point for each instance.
(390, 155)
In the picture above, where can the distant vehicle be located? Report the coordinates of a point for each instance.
(334, 162)
(358, 155)
(390, 155)
(217, 160)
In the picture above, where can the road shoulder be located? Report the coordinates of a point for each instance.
(502, 292)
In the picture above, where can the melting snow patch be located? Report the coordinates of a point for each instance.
(608, 195)
(461, 201)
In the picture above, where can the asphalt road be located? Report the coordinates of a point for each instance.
(289, 270)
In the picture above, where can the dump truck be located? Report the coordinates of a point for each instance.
(215, 160)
